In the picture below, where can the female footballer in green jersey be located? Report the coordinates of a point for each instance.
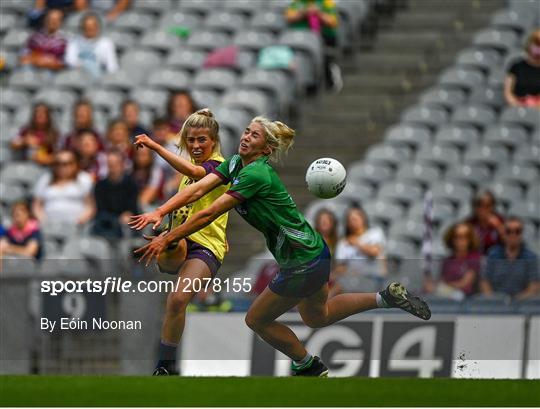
(262, 200)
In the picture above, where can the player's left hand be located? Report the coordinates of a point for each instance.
(153, 249)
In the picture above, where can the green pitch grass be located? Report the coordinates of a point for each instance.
(259, 391)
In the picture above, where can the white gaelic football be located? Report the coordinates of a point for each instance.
(326, 178)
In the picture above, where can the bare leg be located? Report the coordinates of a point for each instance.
(261, 317)
(317, 311)
(177, 301)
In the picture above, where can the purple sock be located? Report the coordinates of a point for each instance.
(167, 356)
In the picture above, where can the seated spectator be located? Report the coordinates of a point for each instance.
(115, 197)
(130, 114)
(487, 223)
(41, 7)
(512, 268)
(522, 82)
(91, 50)
(45, 49)
(38, 139)
(359, 253)
(180, 105)
(118, 138)
(326, 225)
(91, 159)
(23, 238)
(460, 271)
(65, 194)
(321, 17)
(160, 134)
(83, 120)
(148, 176)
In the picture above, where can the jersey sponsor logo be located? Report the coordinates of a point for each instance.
(236, 181)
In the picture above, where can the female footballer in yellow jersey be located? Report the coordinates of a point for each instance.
(203, 250)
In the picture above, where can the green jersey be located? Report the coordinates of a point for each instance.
(267, 206)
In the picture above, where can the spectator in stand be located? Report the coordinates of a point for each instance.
(23, 238)
(487, 223)
(65, 194)
(130, 114)
(118, 138)
(83, 120)
(522, 83)
(512, 268)
(41, 7)
(38, 139)
(45, 49)
(326, 225)
(321, 17)
(359, 253)
(460, 271)
(180, 105)
(115, 197)
(109, 9)
(91, 50)
(148, 176)
(91, 158)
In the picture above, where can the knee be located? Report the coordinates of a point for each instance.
(314, 321)
(177, 303)
(253, 322)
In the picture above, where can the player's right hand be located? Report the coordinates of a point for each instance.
(140, 221)
(144, 140)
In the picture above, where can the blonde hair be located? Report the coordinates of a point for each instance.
(203, 118)
(531, 39)
(279, 137)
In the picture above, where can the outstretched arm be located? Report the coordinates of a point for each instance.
(186, 196)
(196, 222)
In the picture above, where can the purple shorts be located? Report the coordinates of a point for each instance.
(195, 250)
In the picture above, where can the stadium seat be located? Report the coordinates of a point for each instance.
(11, 193)
(134, 20)
(496, 78)
(105, 98)
(526, 117)
(56, 97)
(443, 305)
(73, 21)
(476, 115)
(533, 193)
(246, 7)
(488, 155)
(407, 229)
(16, 38)
(17, 6)
(153, 6)
(149, 97)
(512, 19)
(408, 134)
(453, 192)
(528, 211)
(58, 231)
(253, 101)
(95, 250)
(501, 40)
(530, 306)
(475, 58)
(373, 173)
(447, 98)
(400, 249)
(491, 96)
(457, 135)
(528, 154)
(304, 41)
(233, 119)
(442, 211)
(201, 7)
(219, 79)
(25, 173)
(444, 156)
(172, 19)
(274, 82)
(245, 60)
(253, 39)
(206, 98)
(186, 59)
(60, 267)
(490, 304)
(357, 192)
(227, 21)
(404, 192)
(268, 20)
(507, 135)
(507, 193)
(139, 62)
(120, 80)
(523, 174)
(334, 205)
(464, 78)
(10, 58)
(27, 79)
(383, 212)
(278, 6)
(77, 80)
(389, 155)
(9, 21)
(208, 40)
(169, 79)
(424, 115)
(160, 41)
(422, 173)
(18, 267)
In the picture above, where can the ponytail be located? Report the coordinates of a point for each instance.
(279, 136)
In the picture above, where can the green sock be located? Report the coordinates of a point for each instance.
(304, 363)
